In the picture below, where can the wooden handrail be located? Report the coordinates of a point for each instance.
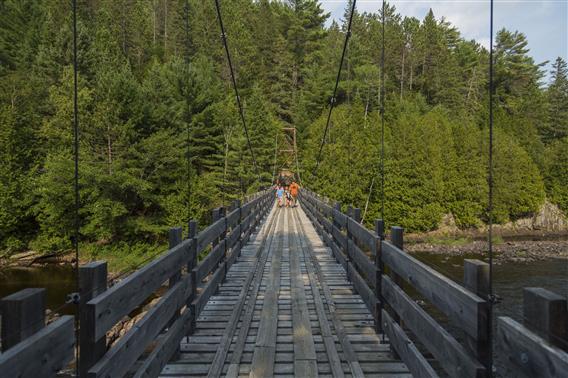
(363, 254)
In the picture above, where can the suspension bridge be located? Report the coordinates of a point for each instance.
(265, 291)
(288, 292)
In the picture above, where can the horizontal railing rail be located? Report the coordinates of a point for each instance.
(29, 347)
(537, 347)
(366, 256)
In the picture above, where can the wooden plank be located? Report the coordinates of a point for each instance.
(303, 341)
(233, 217)
(43, 354)
(210, 261)
(208, 290)
(364, 265)
(348, 351)
(23, 314)
(363, 236)
(525, 354)
(92, 282)
(233, 237)
(340, 238)
(207, 236)
(450, 354)
(458, 303)
(112, 305)
(240, 342)
(166, 346)
(414, 360)
(359, 284)
(546, 314)
(327, 335)
(122, 356)
(254, 276)
(339, 218)
(265, 345)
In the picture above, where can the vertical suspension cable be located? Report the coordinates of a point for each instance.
(275, 158)
(333, 98)
(76, 181)
(229, 61)
(490, 184)
(188, 134)
(382, 107)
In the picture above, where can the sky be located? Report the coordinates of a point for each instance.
(544, 22)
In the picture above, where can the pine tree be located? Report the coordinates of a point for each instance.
(557, 93)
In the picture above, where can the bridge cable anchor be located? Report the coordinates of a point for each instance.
(73, 298)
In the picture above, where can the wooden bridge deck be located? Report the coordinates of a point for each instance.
(286, 308)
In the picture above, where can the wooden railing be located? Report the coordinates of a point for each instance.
(380, 270)
(147, 346)
(29, 347)
(539, 347)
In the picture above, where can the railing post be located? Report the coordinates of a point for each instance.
(23, 314)
(175, 237)
(237, 205)
(546, 314)
(397, 239)
(92, 282)
(192, 263)
(476, 280)
(193, 230)
(216, 215)
(380, 232)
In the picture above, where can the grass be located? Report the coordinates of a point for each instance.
(122, 257)
(447, 240)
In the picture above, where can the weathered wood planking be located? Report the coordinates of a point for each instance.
(122, 356)
(304, 348)
(450, 354)
(42, 354)
(234, 236)
(209, 289)
(233, 217)
(526, 354)
(417, 364)
(327, 335)
(207, 236)
(166, 346)
(458, 303)
(231, 327)
(112, 305)
(363, 263)
(210, 261)
(348, 351)
(361, 287)
(365, 238)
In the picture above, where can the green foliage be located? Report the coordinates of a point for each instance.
(152, 97)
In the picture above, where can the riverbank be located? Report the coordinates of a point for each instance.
(505, 251)
(120, 258)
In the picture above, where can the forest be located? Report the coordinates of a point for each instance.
(161, 140)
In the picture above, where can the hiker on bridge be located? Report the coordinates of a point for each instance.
(280, 195)
(294, 188)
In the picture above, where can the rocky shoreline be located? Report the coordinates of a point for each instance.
(509, 251)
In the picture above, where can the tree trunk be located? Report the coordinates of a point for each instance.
(109, 150)
(165, 26)
(402, 74)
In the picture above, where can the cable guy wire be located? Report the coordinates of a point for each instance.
(333, 99)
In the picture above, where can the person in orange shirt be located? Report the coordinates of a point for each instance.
(294, 192)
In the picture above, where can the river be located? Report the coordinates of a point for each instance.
(509, 278)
